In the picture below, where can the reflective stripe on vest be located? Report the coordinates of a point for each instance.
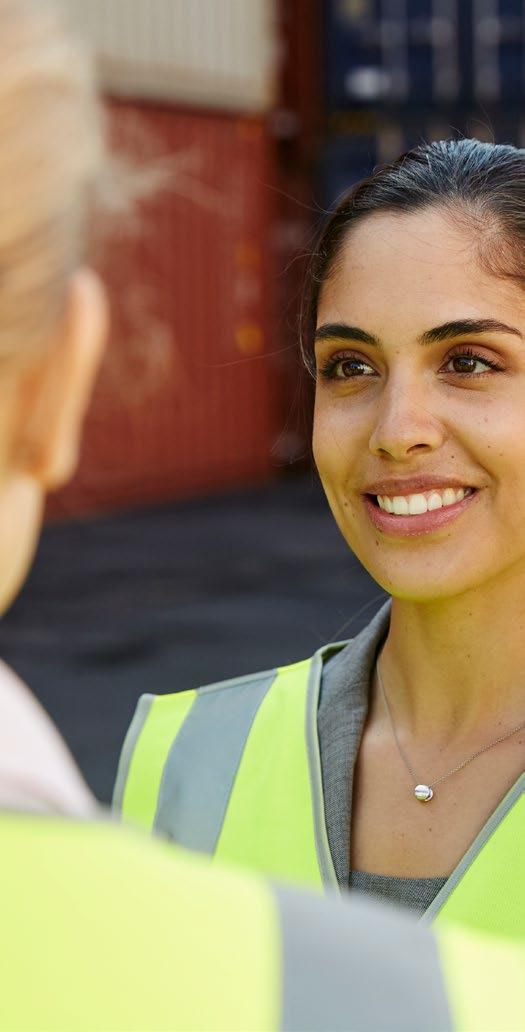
(369, 970)
(230, 744)
(392, 976)
(240, 778)
(104, 929)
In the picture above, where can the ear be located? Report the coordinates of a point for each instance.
(55, 393)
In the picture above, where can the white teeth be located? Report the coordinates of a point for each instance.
(400, 505)
(415, 504)
(435, 501)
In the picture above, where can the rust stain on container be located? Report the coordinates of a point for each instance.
(247, 255)
(177, 411)
(250, 338)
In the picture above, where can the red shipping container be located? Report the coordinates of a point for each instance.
(188, 399)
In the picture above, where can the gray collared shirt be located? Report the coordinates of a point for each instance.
(343, 708)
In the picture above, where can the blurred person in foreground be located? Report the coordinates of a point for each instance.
(101, 928)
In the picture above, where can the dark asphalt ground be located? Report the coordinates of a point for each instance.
(175, 597)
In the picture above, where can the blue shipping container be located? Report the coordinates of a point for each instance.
(347, 157)
(498, 50)
(400, 52)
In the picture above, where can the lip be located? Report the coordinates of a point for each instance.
(424, 522)
(413, 485)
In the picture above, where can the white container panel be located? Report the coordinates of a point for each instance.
(216, 53)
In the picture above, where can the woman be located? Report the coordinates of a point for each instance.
(393, 763)
(99, 929)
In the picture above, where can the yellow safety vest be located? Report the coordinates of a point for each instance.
(104, 930)
(233, 770)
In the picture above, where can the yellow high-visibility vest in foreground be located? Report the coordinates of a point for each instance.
(103, 929)
(234, 770)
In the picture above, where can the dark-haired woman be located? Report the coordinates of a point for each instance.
(392, 763)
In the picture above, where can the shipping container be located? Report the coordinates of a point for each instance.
(300, 106)
(498, 50)
(415, 53)
(189, 398)
(363, 140)
(213, 53)
(392, 52)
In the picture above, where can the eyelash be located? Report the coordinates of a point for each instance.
(327, 371)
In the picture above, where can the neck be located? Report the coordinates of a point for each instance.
(457, 666)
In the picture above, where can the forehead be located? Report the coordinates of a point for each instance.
(415, 270)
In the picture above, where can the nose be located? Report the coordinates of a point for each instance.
(405, 425)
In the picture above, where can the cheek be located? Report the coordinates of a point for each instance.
(327, 436)
(319, 441)
(327, 453)
(497, 441)
(338, 440)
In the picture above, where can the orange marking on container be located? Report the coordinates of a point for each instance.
(249, 338)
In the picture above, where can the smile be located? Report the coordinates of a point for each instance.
(418, 513)
(416, 504)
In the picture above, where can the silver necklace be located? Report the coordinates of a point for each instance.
(424, 792)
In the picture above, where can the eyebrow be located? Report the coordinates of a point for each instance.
(447, 331)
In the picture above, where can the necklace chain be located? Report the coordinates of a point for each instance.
(455, 770)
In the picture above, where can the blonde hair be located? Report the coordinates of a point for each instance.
(55, 172)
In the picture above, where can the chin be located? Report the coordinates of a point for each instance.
(413, 591)
(416, 579)
(430, 593)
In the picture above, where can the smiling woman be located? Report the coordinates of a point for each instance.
(414, 331)
(100, 930)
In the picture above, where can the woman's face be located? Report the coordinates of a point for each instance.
(420, 400)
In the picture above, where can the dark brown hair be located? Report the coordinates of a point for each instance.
(481, 183)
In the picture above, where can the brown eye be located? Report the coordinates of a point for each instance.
(347, 368)
(464, 363)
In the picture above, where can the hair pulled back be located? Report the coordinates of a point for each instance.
(481, 184)
(52, 163)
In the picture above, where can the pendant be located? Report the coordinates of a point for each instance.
(424, 793)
